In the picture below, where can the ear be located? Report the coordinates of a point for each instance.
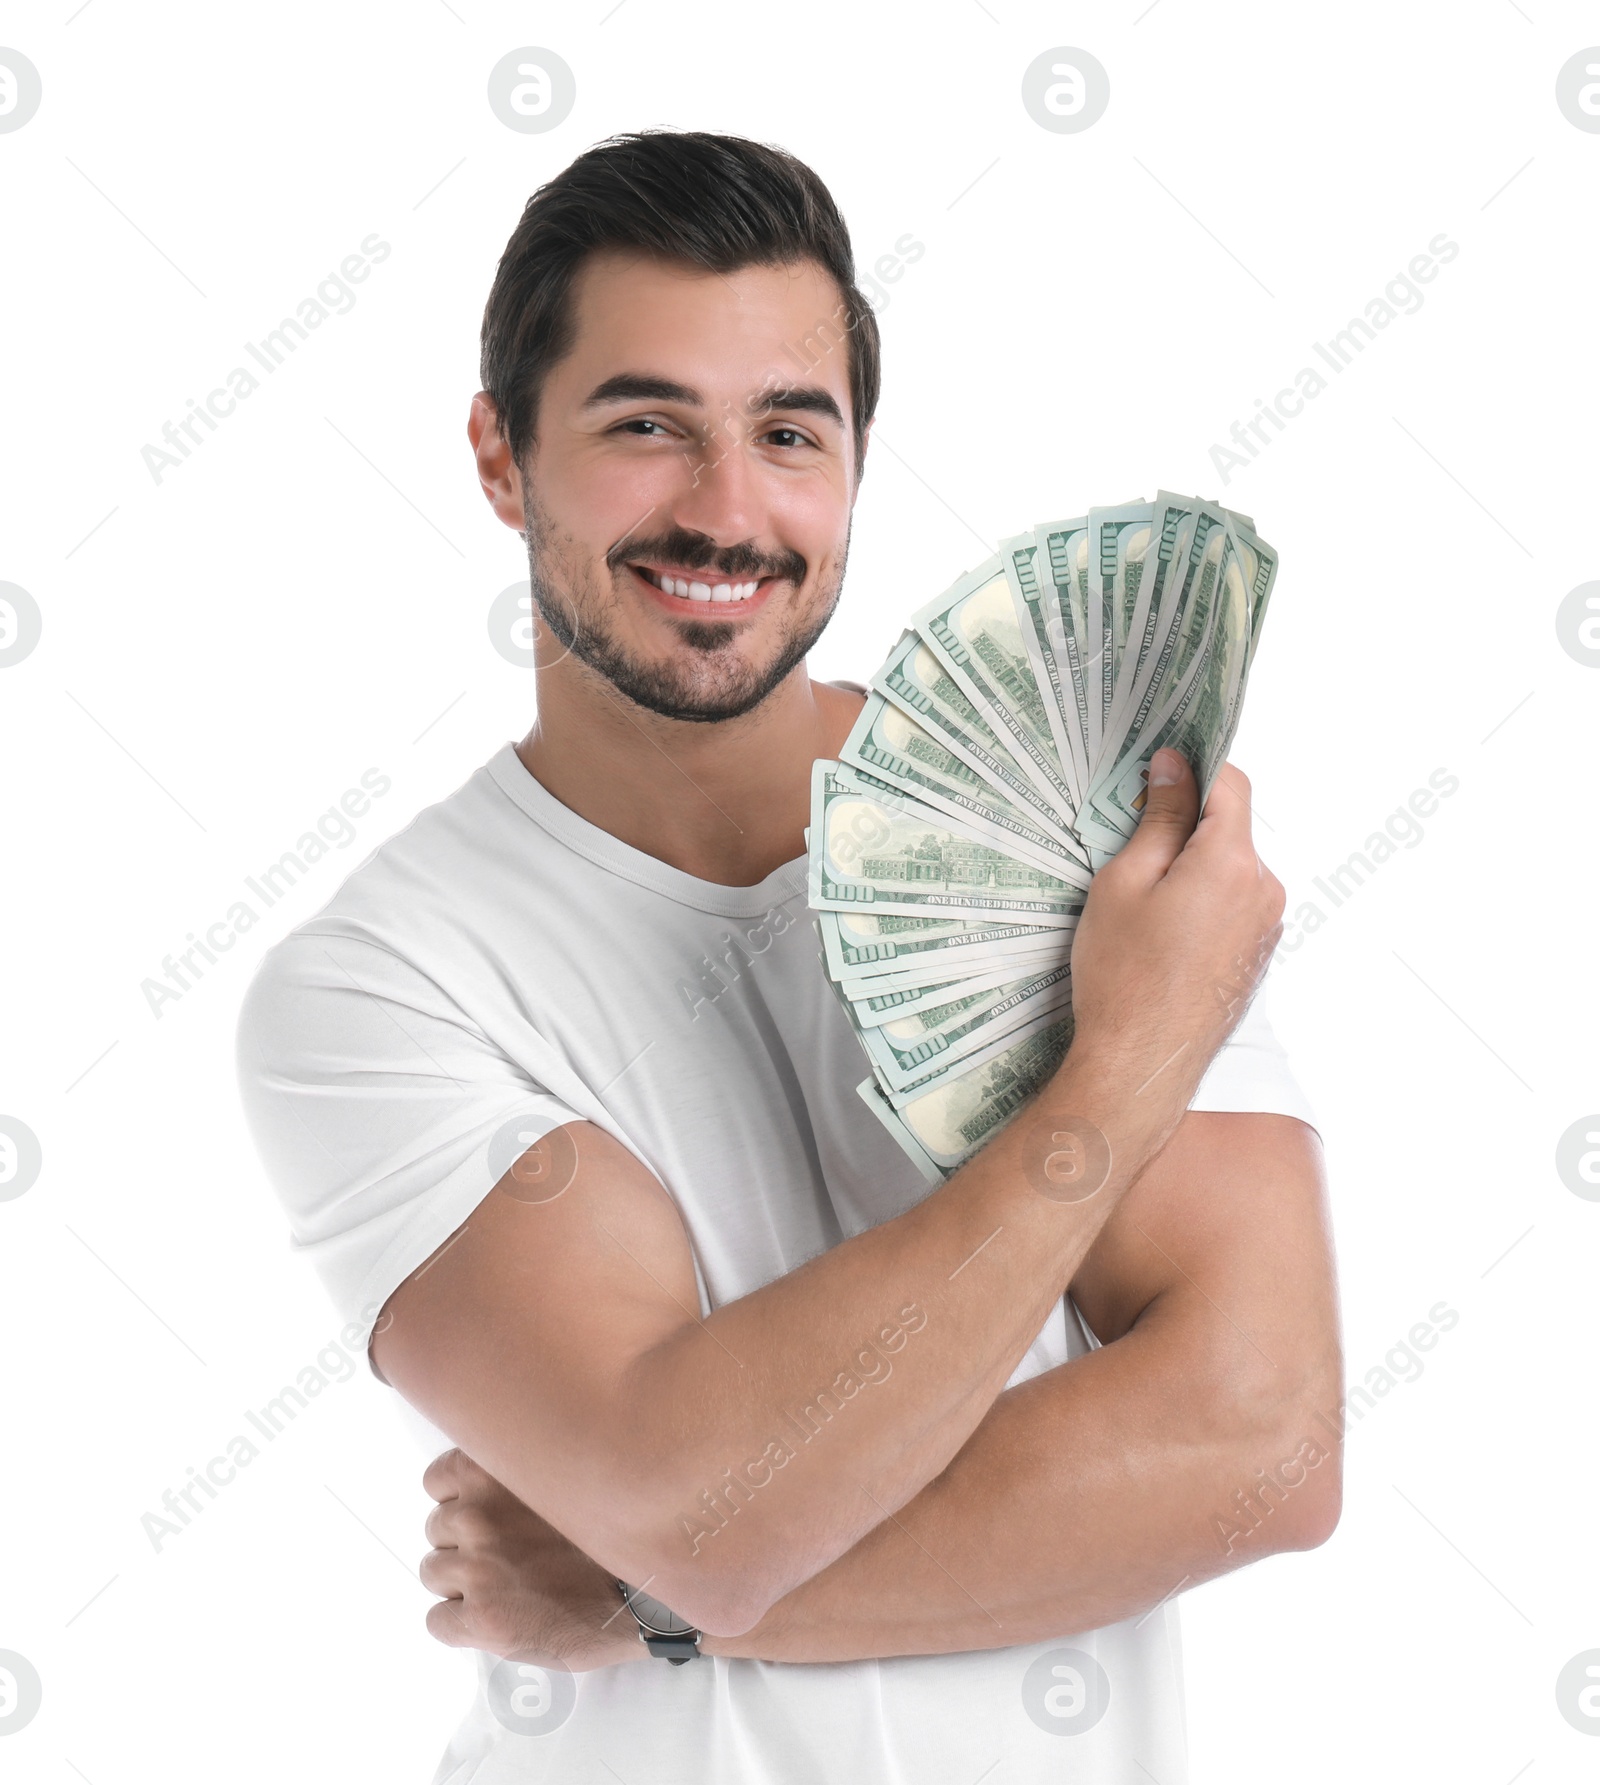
(498, 476)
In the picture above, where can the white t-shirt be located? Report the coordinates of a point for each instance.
(502, 967)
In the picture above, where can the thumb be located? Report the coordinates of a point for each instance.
(1171, 811)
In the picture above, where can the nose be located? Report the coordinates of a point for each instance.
(720, 490)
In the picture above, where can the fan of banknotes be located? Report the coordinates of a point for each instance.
(998, 764)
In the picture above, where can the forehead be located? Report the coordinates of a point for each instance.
(725, 334)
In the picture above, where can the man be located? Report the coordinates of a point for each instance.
(556, 1082)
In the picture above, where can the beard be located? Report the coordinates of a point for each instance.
(711, 682)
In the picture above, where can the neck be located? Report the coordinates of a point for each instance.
(726, 802)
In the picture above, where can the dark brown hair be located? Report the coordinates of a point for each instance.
(718, 202)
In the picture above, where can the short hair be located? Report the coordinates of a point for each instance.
(718, 202)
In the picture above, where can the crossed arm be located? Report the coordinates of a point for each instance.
(1200, 1436)
(1094, 1491)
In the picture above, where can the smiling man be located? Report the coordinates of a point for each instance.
(556, 1081)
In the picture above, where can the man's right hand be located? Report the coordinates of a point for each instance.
(1177, 930)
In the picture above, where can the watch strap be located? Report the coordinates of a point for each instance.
(676, 1646)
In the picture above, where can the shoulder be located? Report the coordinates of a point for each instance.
(398, 919)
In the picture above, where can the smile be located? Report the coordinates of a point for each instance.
(693, 586)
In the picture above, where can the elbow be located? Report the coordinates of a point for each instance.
(699, 1570)
(1294, 1456)
(714, 1602)
(1317, 1517)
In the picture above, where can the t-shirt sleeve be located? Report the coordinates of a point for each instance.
(382, 1115)
(1250, 1071)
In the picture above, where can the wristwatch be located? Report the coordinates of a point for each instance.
(661, 1631)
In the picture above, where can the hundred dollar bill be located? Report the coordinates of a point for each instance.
(1196, 724)
(972, 629)
(878, 848)
(1261, 572)
(1181, 631)
(971, 965)
(946, 1123)
(1258, 563)
(1061, 556)
(905, 1051)
(936, 1013)
(862, 943)
(1052, 649)
(887, 744)
(915, 680)
(875, 1001)
(1171, 521)
(1118, 540)
(1171, 676)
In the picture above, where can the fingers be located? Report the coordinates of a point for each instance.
(440, 1525)
(1171, 807)
(1225, 823)
(1230, 794)
(447, 1624)
(442, 1477)
(440, 1571)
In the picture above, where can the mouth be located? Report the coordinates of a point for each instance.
(698, 592)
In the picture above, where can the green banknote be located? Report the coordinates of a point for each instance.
(914, 679)
(946, 1122)
(1118, 541)
(1001, 762)
(859, 943)
(1052, 649)
(877, 848)
(906, 1050)
(874, 1001)
(889, 744)
(973, 630)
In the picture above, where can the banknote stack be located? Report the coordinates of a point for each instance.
(998, 764)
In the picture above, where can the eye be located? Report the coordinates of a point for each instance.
(795, 437)
(641, 422)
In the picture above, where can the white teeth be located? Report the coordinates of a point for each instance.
(698, 591)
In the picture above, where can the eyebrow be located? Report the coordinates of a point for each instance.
(649, 387)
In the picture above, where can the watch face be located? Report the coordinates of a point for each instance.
(656, 1616)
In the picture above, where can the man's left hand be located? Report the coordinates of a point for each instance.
(511, 1584)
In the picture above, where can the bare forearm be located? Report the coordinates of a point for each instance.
(1085, 1496)
(791, 1422)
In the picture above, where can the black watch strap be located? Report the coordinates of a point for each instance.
(661, 1630)
(676, 1649)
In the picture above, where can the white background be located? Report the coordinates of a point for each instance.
(226, 651)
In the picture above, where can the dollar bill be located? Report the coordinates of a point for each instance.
(1062, 555)
(875, 1001)
(1181, 629)
(1170, 530)
(1052, 649)
(872, 846)
(914, 679)
(888, 744)
(1001, 762)
(1195, 723)
(1118, 541)
(948, 1121)
(906, 1050)
(861, 943)
(972, 629)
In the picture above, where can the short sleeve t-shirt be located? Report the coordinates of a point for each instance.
(502, 967)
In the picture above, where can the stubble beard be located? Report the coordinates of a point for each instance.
(714, 685)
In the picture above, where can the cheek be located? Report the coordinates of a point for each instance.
(600, 499)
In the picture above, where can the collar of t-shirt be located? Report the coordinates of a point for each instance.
(616, 857)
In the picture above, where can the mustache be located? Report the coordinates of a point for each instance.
(698, 551)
